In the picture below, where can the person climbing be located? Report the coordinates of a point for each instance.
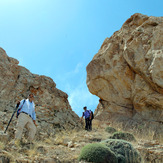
(26, 118)
(88, 118)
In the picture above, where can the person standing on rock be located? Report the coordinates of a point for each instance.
(88, 119)
(26, 118)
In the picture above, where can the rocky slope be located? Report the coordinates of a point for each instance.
(127, 75)
(52, 107)
(65, 147)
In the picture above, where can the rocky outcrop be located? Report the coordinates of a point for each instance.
(52, 107)
(127, 73)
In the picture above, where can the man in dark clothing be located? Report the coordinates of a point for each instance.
(88, 118)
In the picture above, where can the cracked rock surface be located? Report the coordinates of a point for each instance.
(53, 111)
(127, 74)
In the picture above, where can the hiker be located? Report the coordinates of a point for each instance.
(26, 118)
(88, 119)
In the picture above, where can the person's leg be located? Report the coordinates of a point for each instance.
(22, 120)
(90, 124)
(32, 129)
(86, 124)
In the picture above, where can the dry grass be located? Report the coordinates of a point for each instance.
(2, 145)
(32, 152)
(56, 145)
(139, 132)
(48, 140)
(59, 138)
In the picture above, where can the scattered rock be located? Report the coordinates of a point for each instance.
(70, 144)
(151, 151)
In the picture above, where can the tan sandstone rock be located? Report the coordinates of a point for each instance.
(127, 72)
(52, 107)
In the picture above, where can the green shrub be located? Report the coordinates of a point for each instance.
(123, 135)
(124, 151)
(110, 129)
(97, 153)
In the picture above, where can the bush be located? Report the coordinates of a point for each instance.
(123, 150)
(123, 135)
(97, 153)
(110, 129)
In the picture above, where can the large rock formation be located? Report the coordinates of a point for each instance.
(52, 107)
(127, 73)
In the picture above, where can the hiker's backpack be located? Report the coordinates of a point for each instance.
(92, 114)
(18, 111)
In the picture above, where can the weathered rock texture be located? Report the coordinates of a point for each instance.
(127, 73)
(52, 107)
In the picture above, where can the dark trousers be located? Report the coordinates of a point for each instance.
(88, 124)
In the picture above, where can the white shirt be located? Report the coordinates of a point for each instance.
(28, 107)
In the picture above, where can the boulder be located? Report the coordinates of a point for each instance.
(127, 72)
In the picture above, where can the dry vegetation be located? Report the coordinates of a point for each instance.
(64, 146)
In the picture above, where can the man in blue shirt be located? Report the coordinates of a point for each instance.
(88, 118)
(26, 118)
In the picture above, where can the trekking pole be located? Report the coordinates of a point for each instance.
(11, 118)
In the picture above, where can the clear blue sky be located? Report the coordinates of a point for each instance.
(58, 38)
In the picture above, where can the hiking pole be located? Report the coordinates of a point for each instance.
(11, 118)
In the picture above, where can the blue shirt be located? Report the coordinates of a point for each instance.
(87, 113)
(28, 107)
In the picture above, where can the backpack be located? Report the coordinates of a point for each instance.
(18, 111)
(92, 115)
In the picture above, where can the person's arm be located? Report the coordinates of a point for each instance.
(34, 116)
(20, 104)
(34, 121)
(82, 117)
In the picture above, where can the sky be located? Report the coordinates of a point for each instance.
(58, 38)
